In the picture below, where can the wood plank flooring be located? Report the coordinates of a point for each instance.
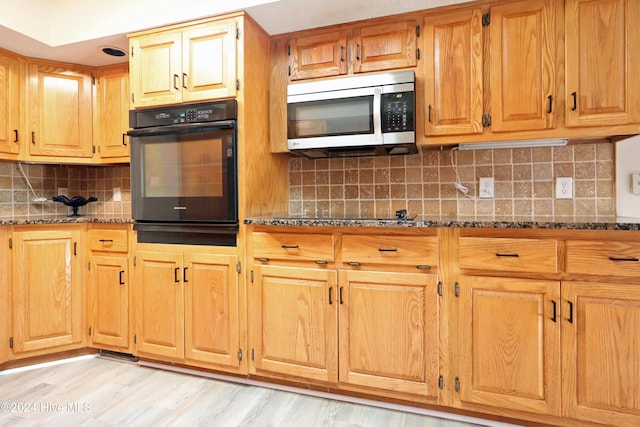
(103, 392)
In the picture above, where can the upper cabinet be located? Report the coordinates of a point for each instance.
(603, 40)
(185, 64)
(10, 84)
(111, 114)
(60, 111)
(359, 50)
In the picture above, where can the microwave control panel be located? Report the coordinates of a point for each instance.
(398, 112)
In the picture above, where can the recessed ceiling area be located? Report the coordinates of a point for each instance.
(77, 30)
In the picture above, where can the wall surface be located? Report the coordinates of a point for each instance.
(627, 163)
(424, 184)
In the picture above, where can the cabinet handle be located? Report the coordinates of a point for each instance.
(570, 312)
(290, 246)
(507, 255)
(550, 97)
(106, 240)
(175, 81)
(627, 259)
(330, 295)
(175, 275)
(354, 264)
(15, 131)
(387, 250)
(341, 301)
(184, 275)
(321, 262)
(358, 51)
(75, 248)
(184, 80)
(574, 95)
(122, 277)
(123, 140)
(429, 116)
(423, 267)
(263, 259)
(554, 319)
(341, 55)
(33, 138)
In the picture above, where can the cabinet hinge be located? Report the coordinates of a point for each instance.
(93, 80)
(441, 382)
(238, 33)
(440, 290)
(89, 330)
(240, 354)
(239, 267)
(418, 53)
(456, 289)
(251, 276)
(486, 20)
(457, 385)
(238, 84)
(486, 120)
(131, 53)
(135, 261)
(10, 243)
(10, 342)
(253, 355)
(94, 149)
(417, 30)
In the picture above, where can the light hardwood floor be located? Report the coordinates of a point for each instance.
(103, 392)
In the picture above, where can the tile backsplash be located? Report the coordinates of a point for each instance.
(524, 184)
(99, 181)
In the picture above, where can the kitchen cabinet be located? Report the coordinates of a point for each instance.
(108, 311)
(5, 289)
(111, 115)
(187, 306)
(11, 132)
(47, 297)
(362, 49)
(602, 41)
(521, 52)
(184, 64)
(60, 112)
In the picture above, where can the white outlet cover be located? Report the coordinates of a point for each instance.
(486, 188)
(635, 183)
(564, 187)
(117, 194)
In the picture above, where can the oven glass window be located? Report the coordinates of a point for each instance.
(345, 116)
(188, 165)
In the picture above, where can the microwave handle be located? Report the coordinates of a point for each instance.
(377, 115)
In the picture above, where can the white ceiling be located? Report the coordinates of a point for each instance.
(76, 30)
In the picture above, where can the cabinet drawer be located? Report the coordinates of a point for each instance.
(404, 250)
(603, 257)
(509, 255)
(293, 246)
(108, 240)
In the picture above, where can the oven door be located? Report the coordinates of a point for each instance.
(185, 173)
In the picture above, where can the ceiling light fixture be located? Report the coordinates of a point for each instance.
(524, 143)
(113, 51)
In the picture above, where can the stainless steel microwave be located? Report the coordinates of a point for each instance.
(364, 115)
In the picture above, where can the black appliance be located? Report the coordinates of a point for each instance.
(184, 173)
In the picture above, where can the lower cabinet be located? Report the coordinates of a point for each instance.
(47, 294)
(187, 306)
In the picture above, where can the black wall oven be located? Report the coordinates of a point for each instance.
(184, 180)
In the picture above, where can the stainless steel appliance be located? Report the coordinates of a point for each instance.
(353, 116)
(184, 173)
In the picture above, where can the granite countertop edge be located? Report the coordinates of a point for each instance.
(66, 220)
(444, 222)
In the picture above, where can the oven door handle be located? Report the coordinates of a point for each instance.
(183, 128)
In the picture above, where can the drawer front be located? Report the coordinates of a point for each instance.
(603, 257)
(293, 246)
(108, 240)
(510, 255)
(403, 250)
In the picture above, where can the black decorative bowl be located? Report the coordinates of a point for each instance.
(75, 202)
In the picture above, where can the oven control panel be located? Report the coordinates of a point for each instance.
(177, 114)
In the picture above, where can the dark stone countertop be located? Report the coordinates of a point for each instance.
(100, 219)
(427, 221)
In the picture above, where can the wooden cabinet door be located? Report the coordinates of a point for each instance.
(384, 47)
(159, 304)
(603, 40)
(60, 112)
(318, 55)
(211, 309)
(522, 68)
(109, 299)
(209, 61)
(293, 322)
(47, 297)
(601, 352)
(510, 344)
(453, 73)
(389, 337)
(112, 113)
(10, 133)
(156, 69)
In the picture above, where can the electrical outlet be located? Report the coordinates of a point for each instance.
(564, 187)
(486, 188)
(117, 194)
(62, 191)
(635, 183)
